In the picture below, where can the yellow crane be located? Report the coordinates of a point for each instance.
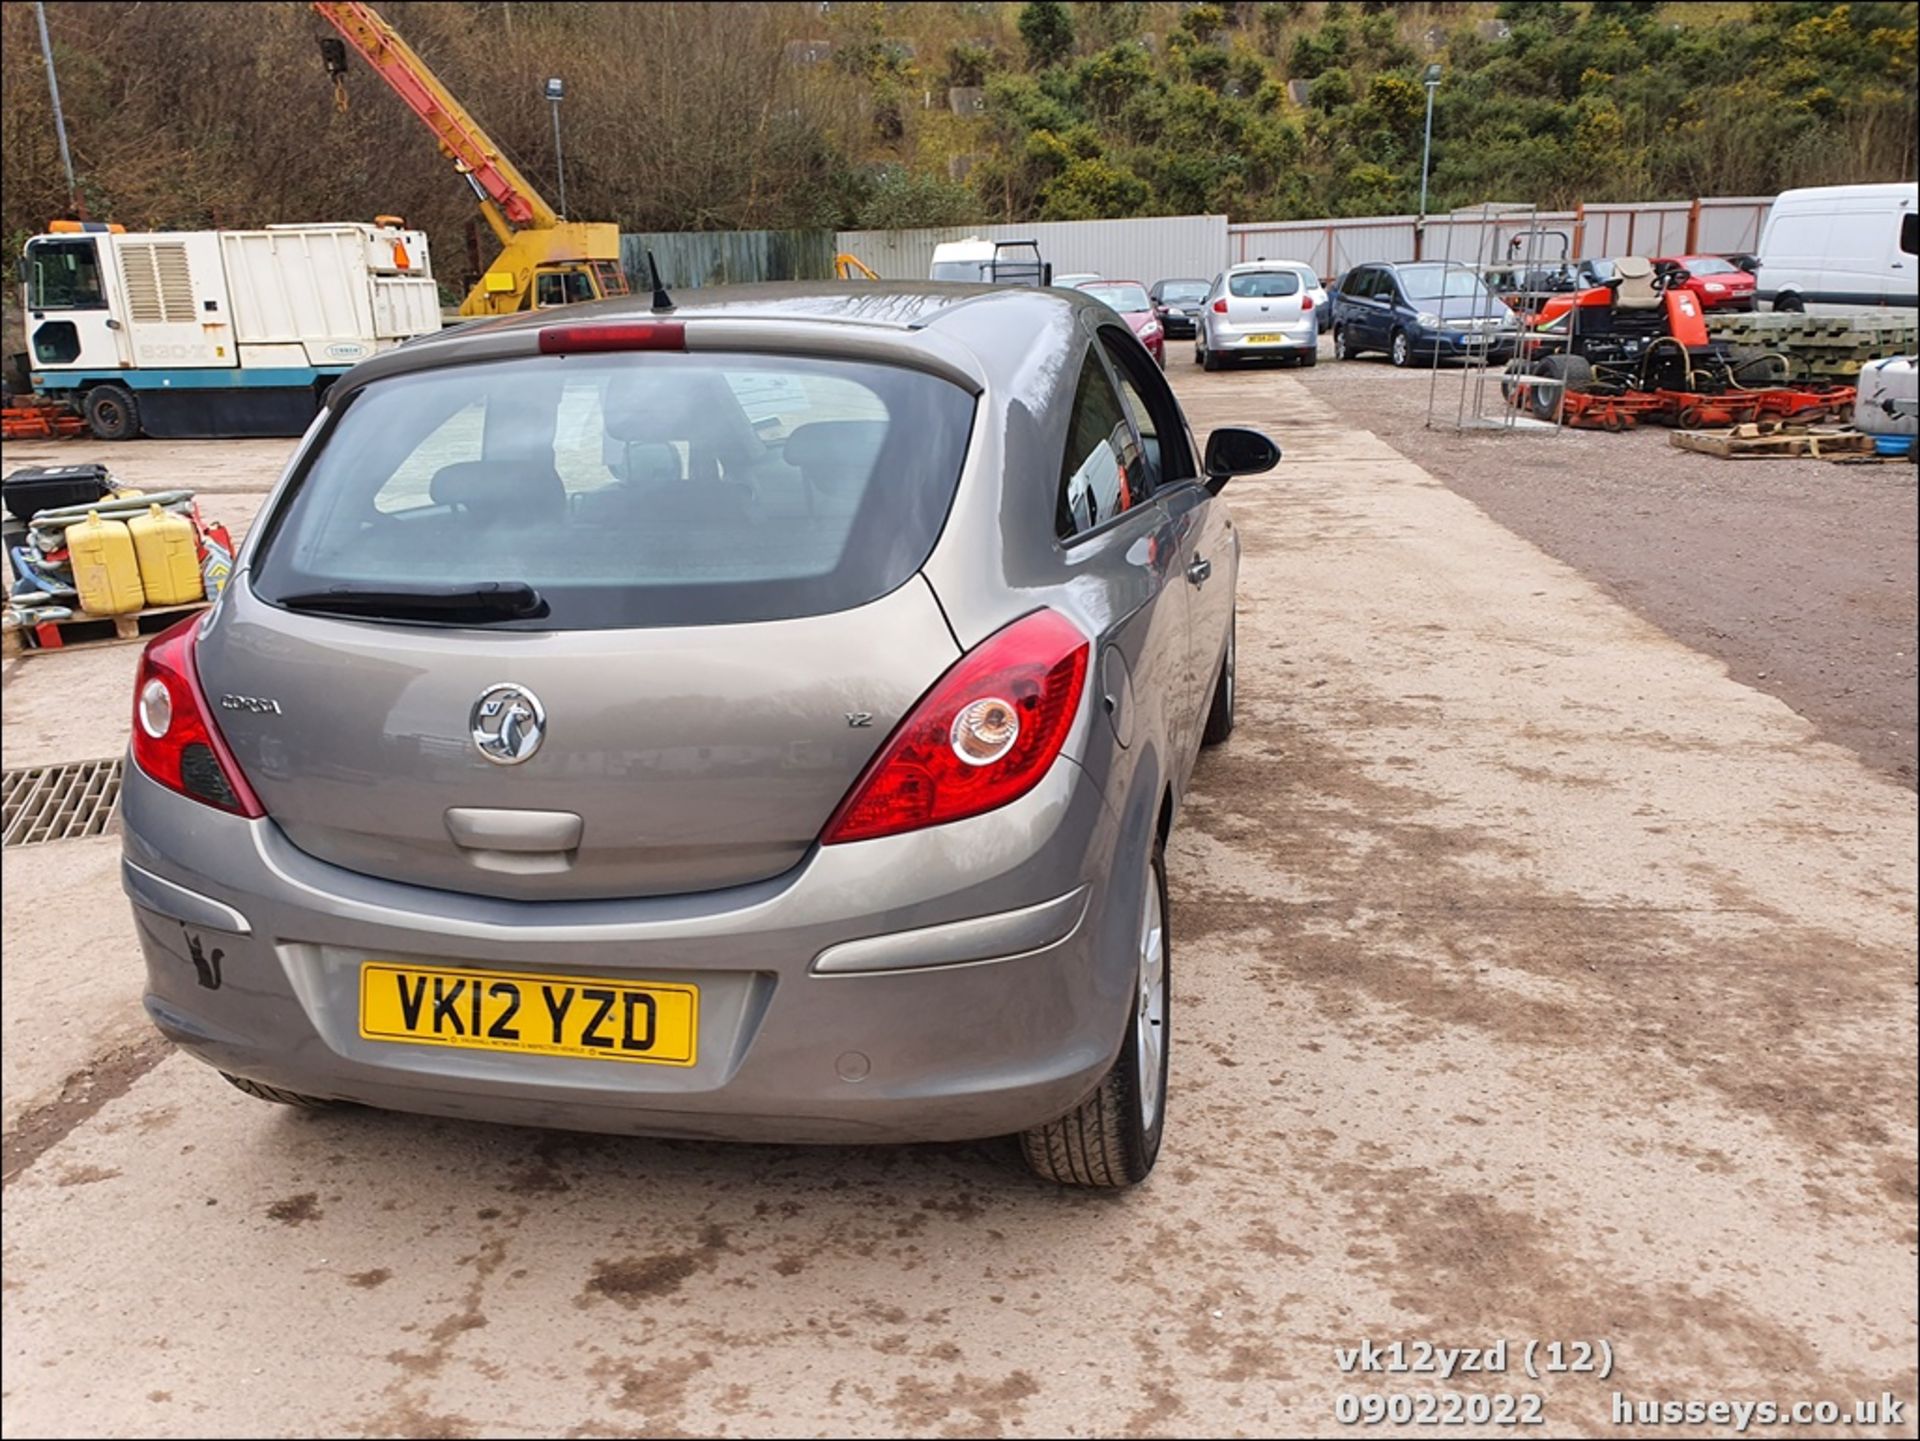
(544, 260)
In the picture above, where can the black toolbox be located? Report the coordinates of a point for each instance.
(29, 491)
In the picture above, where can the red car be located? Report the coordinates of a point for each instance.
(1129, 297)
(1720, 284)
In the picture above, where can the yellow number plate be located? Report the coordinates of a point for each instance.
(590, 1018)
(1265, 339)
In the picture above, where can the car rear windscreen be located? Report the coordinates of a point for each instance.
(1264, 284)
(630, 490)
(1125, 298)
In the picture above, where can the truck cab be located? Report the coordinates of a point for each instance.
(556, 285)
(68, 276)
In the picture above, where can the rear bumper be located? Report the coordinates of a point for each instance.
(1288, 340)
(254, 950)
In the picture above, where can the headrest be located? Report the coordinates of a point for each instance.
(1632, 267)
(500, 487)
(836, 454)
(658, 406)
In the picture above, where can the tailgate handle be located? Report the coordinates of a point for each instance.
(479, 828)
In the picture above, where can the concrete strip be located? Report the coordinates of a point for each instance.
(1534, 981)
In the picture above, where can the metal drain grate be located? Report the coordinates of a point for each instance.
(57, 803)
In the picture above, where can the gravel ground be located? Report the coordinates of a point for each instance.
(1799, 575)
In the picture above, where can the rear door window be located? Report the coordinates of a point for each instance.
(631, 490)
(1104, 470)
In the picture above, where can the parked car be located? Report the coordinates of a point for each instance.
(1315, 290)
(1841, 249)
(1258, 309)
(1720, 284)
(1177, 304)
(761, 722)
(1129, 297)
(1422, 310)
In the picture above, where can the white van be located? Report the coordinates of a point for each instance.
(990, 262)
(1841, 249)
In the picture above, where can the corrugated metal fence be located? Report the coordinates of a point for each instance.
(1164, 246)
(728, 257)
(1147, 249)
(1483, 235)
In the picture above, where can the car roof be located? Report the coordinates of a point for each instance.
(995, 327)
(1269, 265)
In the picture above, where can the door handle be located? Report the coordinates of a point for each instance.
(1198, 572)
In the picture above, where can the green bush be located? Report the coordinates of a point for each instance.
(898, 199)
(1047, 31)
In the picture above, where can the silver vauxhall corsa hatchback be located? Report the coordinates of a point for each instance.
(759, 720)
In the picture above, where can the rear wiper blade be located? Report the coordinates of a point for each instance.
(480, 601)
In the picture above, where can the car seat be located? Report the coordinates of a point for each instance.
(1635, 290)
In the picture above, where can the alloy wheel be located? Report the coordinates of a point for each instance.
(1150, 1012)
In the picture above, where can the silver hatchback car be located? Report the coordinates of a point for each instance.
(760, 719)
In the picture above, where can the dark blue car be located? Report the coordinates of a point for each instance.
(1421, 311)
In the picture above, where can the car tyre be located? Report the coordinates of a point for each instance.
(112, 412)
(1343, 346)
(1309, 358)
(1401, 352)
(1220, 712)
(1111, 1139)
(276, 1095)
(1209, 361)
(1789, 304)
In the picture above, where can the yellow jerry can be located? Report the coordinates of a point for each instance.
(169, 560)
(105, 569)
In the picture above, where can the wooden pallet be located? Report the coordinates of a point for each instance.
(82, 630)
(1761, 441)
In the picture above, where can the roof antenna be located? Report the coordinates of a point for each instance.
(662, 302)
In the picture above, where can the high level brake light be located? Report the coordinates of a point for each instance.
(982, 737)
(175, 741)
(587, 339)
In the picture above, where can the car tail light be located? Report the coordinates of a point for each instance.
(175, 741)
(1220, 306)
(585, 339)
(983, 736)
(1306, 303)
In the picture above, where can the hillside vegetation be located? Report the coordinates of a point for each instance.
(694, 116)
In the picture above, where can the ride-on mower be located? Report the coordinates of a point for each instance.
(1634, 349)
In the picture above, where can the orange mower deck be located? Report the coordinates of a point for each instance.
(1622, 410)
(40, 420)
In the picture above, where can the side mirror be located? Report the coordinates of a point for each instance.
(1232, 450)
